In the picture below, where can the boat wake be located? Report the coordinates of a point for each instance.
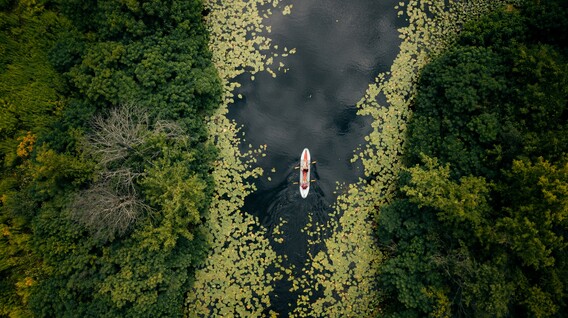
(288, 218)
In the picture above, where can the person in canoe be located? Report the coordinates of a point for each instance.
(305, 169)
(304, 173)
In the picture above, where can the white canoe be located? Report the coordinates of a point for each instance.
(305, 159)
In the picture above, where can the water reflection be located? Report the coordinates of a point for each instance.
(341, 47)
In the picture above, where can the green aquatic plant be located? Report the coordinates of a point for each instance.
(344, 273)
(239, 40)
(338, 280)
(235, 279)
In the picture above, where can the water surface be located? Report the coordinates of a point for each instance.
(341, 47)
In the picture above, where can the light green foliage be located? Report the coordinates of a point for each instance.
(463, 202)
(178, 193)
(18, 265)
(537, 207)
(154, 262)
(234, 279)
(433, 225)
(53, 173)
(30, 89)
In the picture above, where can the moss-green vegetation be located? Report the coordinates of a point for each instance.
(31, 97)
(105, 177)
(345, 273)
(478, 224)
(235, 278)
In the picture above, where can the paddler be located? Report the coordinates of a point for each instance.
(305, 168)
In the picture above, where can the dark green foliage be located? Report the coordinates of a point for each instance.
(498, 31)
(6, 4)
(153, 53)
(479, 227)
(492, 98)
(457, 119)
(548, 23)
(61, 65)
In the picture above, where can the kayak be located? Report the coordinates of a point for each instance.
(305, 173)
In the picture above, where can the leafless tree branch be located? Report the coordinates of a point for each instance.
(113, 204)
(118, 134)
(106, 212)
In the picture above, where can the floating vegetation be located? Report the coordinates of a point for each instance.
(238, 40)
(340, 280)
(234, 279)
(287, 10)
(277, 232)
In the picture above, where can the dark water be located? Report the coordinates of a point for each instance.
(341, 47)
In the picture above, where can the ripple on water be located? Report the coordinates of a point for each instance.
(340, 48)
(287, 218)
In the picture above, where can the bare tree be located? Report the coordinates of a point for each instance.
(170, 129)
(112, 204)
(115, 136)
(108, 208)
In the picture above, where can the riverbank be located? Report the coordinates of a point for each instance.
(235, 277)
(340, 280)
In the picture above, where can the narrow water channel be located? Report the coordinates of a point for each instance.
(341, 46)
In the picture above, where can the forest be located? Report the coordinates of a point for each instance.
(105, 166)
(479, 224)
(108, 194)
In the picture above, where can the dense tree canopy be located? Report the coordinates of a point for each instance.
(479, 226)
(105, 165)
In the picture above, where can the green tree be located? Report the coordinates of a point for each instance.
(62, 64)
(479, 224)
(139, 262)
(457, 119)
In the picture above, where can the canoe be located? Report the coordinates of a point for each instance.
(305, 168)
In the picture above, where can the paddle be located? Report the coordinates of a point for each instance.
(298, 167)
(296, 182)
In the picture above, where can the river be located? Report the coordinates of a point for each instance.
(341, 46)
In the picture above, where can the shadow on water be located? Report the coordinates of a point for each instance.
(282, 206)
(288, 217)
(341, 47)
